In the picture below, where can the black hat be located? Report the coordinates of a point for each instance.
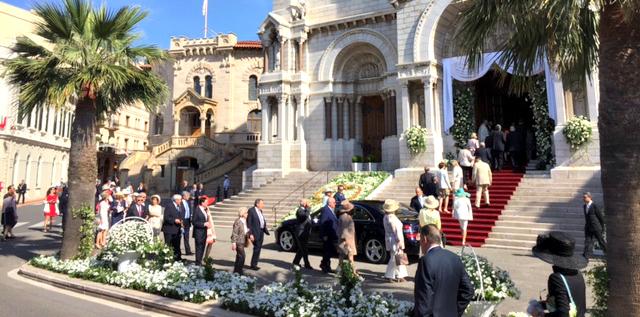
(557, 248)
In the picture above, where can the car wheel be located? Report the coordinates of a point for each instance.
(286, 241)
(375, 251)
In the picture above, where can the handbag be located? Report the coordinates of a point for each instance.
(402, 259)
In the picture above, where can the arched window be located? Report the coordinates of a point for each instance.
(253, 87)
(15, 168)
(27, 169)
(53, 171)
(208, 87)
(254, 121)
(196, 85)
(158, 124)
(39, 172)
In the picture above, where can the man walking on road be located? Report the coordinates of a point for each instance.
(257, 225)
(22, 191)
(226, 186)
(594, 226)
(189, 207)
(301, 234)
(172, 225)
(329, 234)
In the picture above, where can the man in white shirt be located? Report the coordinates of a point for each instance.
(257, 225)
(483, 131)
(186, 222)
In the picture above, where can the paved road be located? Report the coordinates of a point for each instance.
(25, 298)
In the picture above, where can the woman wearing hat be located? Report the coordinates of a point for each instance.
(565, 285)
(155, 215)
(347, 232)
(328, 193)
(429, 214)
(462, 211)
(394, 241)
(118, 208)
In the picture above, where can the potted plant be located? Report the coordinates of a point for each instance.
(127, 240)
(356, 163)
(372, 164)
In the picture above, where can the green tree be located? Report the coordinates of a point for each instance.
(579, 37)
(87, 58)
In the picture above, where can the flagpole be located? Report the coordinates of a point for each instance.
(205, 12)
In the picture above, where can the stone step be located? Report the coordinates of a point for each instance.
(543, 219)
(529, 230)
(538, 225)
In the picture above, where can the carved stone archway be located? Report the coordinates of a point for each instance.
(189, 99)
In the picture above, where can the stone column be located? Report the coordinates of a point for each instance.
(334, 118)
(291, 120)
(358, 105)
(176, 126)
(301, 117)
(429, 105)
(404, 97)
(282, 122)
(264, 104)
(593, 96)
(203, 123)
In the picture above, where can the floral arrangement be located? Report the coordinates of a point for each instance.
(129, 236)
(357, 159)
(497, 283)
(297, 298)
(357, 185)
(542, 124)
(416, 139)
(176, 281)
(598, 278)
(577, 131)
(463, 124)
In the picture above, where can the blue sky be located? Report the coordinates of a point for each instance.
(184, 17)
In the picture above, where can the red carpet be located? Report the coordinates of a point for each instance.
(504, 185)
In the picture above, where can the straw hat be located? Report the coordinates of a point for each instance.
(156, 197)
(390, 206)
(431, 202)
(346, 206)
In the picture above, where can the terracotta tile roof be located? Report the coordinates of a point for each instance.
(248, 44)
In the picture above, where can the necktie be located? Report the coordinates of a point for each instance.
(139, 211)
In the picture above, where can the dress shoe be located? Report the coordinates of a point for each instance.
(309, 267)
(189, 253)
(255, 268)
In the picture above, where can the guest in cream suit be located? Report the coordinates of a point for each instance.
(482, 178)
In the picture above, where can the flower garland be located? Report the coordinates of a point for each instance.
(542, 124)
(578, 132)
(129, 236)
(416, 138)
(463, 124)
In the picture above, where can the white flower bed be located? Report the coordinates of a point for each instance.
(177, 281)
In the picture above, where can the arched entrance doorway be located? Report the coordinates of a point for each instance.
(185, 169)
(189, 121)
(209, 123)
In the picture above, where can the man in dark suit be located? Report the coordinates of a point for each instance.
(200, 220)
(172, 225)
(425, 179)
(594, 226)
(417, 201)
(339, 196)
(483, 153)
(329, 234)
(497, 147)
(442, 286)
(22, 191)
(257, 225)
(188, 205)
(182, 187)
(138, 209)
(301, 234)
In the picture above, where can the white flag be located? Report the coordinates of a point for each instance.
(205, 7)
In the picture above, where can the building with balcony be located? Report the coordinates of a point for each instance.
(35, 149)
(210, 126)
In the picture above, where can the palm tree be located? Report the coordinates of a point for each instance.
(88, 59)
(577, 37)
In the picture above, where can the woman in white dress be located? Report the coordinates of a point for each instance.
(462, 211)
(103, 220)
(394, 241)
(155, 215)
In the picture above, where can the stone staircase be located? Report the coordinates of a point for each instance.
(540, 205)
(284, 194)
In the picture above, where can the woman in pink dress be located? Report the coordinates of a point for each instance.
(50, 208)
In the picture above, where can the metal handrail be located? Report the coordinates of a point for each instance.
(304, 191)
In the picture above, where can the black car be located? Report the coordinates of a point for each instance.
(368, 217)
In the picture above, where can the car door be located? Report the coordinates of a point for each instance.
(362, 220)
(314, 236)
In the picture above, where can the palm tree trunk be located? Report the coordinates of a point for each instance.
(82, 173)
(619, 143)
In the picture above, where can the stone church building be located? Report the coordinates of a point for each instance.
(348, 77)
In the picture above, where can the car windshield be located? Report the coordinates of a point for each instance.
(406, 212)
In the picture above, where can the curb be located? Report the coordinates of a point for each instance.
(137, 299)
